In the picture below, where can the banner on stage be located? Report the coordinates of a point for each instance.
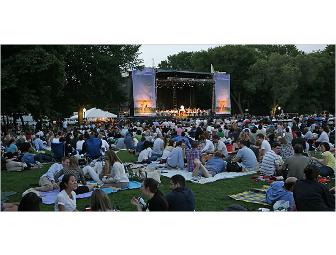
(222, 93)
(144, 92)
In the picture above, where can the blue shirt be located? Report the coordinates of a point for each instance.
(216, 164)
(12, 148)
(175, 158)
(28, 158)
(183, 139)
(277, 192)
(248, 157)
(38, 143)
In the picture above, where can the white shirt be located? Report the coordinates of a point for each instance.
(118, 172)
(55, 140)
(145, 154)
(105, 144)
(79, 145)
(64, 199)
(265, 145)
(65, 124)
(323, 137)
(209, 146)
(222, 148)
(40, 133)
(158, 146)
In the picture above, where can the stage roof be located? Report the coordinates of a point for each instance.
(163, 74)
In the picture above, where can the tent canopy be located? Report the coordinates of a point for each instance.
(98, 113)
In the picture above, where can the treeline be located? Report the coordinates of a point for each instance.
(56, 80)
(266, 76)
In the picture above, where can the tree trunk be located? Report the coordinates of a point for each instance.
(22, 122)
(238, 103)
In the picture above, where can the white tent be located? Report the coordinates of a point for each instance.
(95, 113)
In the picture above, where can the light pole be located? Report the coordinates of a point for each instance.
(84, 110)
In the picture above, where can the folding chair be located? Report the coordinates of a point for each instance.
(58, 150)
(93, 148)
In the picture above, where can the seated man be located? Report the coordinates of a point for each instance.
(180, 198)
(220, 146)
(47, 181)
(212, 167)
(309, 195)
(296, 163)
(175, 158)
(38, 144)
(182, 138)
(280, 190)
(209, 146)
(270, 162)
(245, 157)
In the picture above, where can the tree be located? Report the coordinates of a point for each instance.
(181, 61)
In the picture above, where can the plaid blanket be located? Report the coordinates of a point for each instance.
(256, 196)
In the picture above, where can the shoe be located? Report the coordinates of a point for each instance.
(195, 178)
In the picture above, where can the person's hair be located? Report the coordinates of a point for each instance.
(147, 144)
(290, 182)
(194, 144)
(325, 128)
(215, 137)
(153, 187)
(298, 148)
(287, 129)
(183, 134)
(275, 144)
(100, 201)
(312, 172)
(81, 137)
(12, 140)
(112, 157)
(179, 143)
(219, 154)
(30, 202)
(326, 146)
(245, 143)
(73, 162)
(178, 179)
(298, 133)
(65, 158)
(65, 181)
(260, 136)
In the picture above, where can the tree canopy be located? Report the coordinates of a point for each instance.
(263, 76)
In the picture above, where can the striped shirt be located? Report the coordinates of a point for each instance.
(269, 163)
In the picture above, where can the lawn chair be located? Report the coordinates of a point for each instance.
(58, 150)
(93, 148)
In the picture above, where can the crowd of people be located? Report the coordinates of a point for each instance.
(296, 153)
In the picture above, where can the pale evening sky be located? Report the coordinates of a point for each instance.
(159, 52)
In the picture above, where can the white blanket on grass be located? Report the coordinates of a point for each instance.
(188, 175)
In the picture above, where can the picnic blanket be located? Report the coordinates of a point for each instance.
(257, 196)
(49, 197)
(168, 172)
(6, 195)
(188, 175)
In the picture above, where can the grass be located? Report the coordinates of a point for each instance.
(209, 197)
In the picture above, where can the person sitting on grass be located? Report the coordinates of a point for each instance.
(245, 157)
(180, 198)
(47, 181)
(175, 158)
(114, 172)
(270, 163)
(146, 153)
(12, 164)
(66, 199)
(12, 147)
(75, 170)
(328, 162)
(309, 195)
(280, 190)
(212, 167)
(100, 201)
(166, 152)
(192, 154)
(156, 202)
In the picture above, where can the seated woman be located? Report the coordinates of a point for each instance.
(74, 170)
(328, 161)
(12, 164)
(156, 202)
(100, 201)
(169, 147)
(114, 172)
(66, 199)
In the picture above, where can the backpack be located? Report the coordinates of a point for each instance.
(233, 167)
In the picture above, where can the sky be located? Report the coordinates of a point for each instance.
(159, 52)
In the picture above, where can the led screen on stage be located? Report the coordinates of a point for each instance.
(222, 93)
(144, 92)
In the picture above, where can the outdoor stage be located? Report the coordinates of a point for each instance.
(182, 94)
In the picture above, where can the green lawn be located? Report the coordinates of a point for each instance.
(209, 197)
